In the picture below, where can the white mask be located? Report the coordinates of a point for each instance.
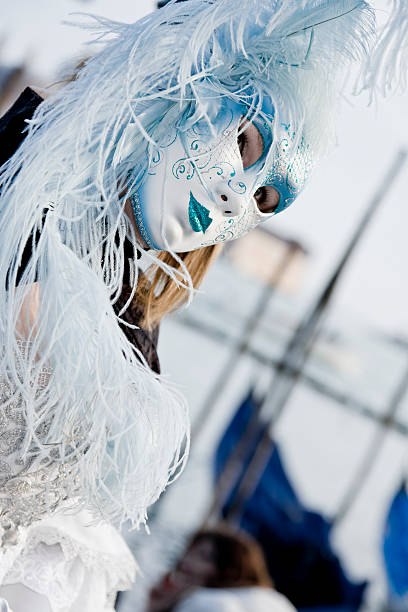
(202, 189)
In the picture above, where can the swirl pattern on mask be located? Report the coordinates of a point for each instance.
(231, 229)
(157, 157)
(215, 161)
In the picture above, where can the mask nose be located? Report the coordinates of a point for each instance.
(230, 203)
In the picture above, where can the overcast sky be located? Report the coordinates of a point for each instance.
(374, 286)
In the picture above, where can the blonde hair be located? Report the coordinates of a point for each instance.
(159, 295)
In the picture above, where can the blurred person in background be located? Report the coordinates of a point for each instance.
(186, 130)
(222, 571)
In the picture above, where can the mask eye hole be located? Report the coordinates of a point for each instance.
(250, 142)
(267, 199)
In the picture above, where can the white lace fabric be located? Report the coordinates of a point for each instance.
(77, 567)
(32, 483)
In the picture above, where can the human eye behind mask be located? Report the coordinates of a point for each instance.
(267, 199)
(207, 186)
(253, 147)
(250, 143)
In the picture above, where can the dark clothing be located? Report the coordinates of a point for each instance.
(12, 126)
(13, 123)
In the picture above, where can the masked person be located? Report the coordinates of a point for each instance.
(221, 570)
(186, 130)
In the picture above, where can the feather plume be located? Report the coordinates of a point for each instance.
(386, 69)
(67, 184)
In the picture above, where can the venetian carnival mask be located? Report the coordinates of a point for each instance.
(210, 186)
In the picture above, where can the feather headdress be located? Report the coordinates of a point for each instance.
(385, 70)
(64, 193)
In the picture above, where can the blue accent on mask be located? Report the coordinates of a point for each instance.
(140, 221)
(198, 215)
(290, 170)
(290, 167)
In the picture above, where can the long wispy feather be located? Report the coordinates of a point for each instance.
(125, 427)
(386, 70)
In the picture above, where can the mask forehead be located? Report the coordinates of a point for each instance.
(211, 150)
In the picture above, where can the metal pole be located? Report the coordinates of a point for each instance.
(347, 400)
(376, 445)
(290, 367)
(243, 345)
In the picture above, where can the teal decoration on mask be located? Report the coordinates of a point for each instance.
(198, 215)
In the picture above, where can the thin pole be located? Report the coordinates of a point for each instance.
(374, 450)
(243, 345)
(289, 369)
(346, 399)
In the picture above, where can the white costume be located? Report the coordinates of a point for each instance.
(163, 109)
(70, 564)
(73, 566)
(245, 599)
